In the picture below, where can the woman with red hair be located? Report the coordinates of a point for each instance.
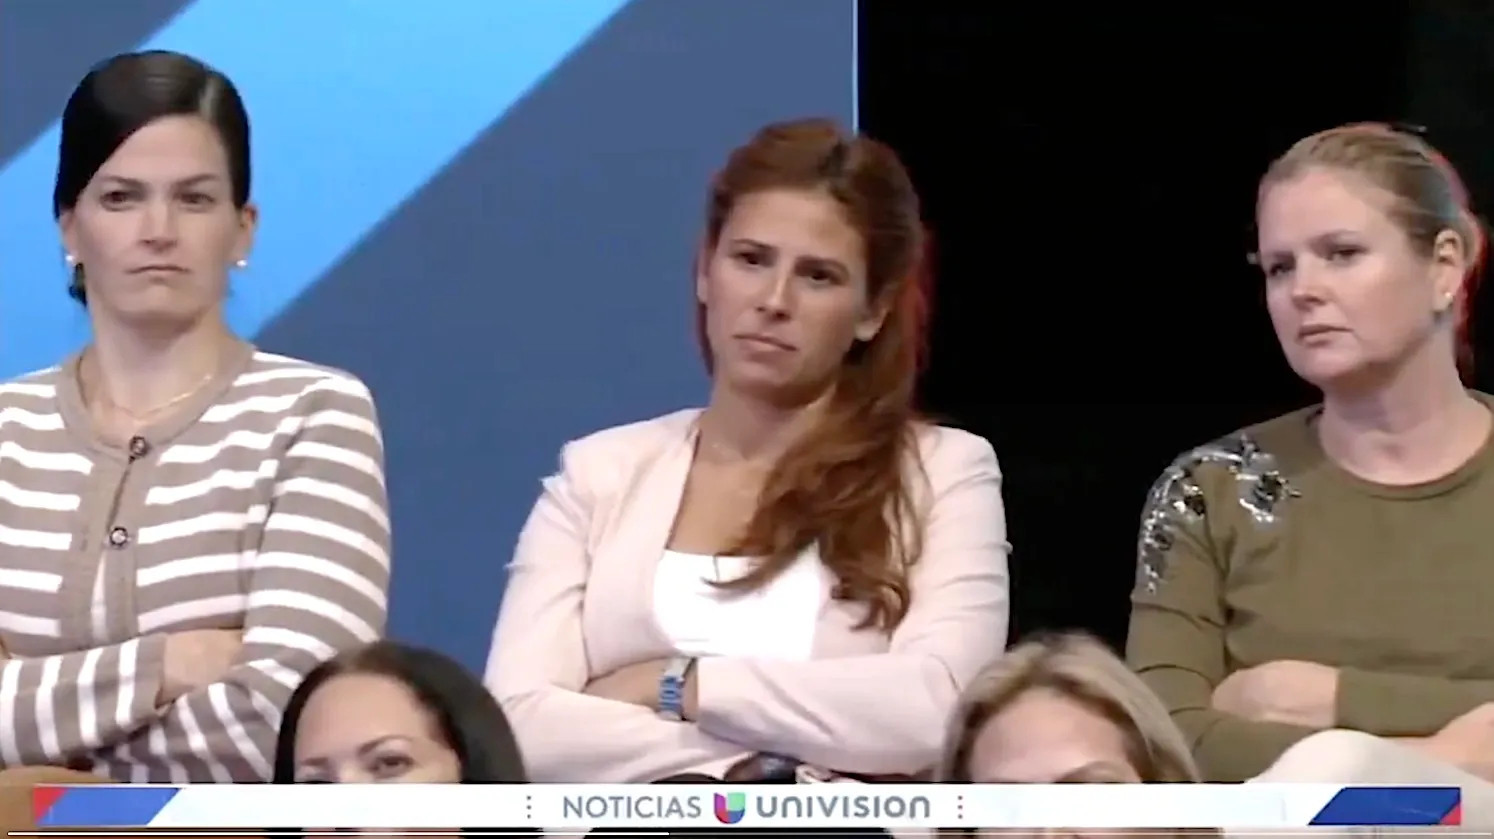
(801, 573)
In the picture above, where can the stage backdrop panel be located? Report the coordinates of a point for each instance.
(487, 210)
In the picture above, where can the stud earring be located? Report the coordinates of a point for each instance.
(70, 260)
(241, 264)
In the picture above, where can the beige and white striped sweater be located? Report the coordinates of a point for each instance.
(262, 507)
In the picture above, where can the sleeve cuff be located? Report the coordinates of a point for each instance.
(1398, 704)
(1233, 750)
(717, 697)
(150, 672)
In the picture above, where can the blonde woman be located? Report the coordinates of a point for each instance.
(1062, 709)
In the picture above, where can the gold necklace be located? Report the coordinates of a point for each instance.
(142, 417)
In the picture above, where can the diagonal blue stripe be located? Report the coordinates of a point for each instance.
(107, 806)
(1388, 806)
(356, 104)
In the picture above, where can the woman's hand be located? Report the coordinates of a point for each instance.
(1296, 692)
(197, 658)
(1467, 742)
(638, 684)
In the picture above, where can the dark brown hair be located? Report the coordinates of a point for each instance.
(843, 485)
(465, 715)
(1429, 196)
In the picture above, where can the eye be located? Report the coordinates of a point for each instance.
(1344, 253)
(197, 199)
(753, 258)
(820, 276)
(389, 766)
(1276, 268)
(115, 197)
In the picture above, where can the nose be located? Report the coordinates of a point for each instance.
(777, 299)
(1307, 282)
(158, 224)
(353, 774)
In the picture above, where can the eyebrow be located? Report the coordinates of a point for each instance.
(822, 261)
(1099, 771)
(364, 749)
(191, 180)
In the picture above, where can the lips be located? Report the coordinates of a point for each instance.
(767, 340)
(1311, 331)
(159, 269)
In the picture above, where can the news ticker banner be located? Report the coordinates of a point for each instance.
(558, 806)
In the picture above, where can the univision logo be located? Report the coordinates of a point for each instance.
(730, 807)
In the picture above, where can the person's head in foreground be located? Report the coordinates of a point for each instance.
(1062, 709)
(390, 713)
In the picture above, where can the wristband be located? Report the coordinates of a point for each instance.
(672, 688)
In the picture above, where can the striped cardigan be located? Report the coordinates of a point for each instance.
(261, 508)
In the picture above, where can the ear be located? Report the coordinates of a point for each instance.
(248, 226)
(1449, 268)
(67, 228)
(871, 324)
(702, 265)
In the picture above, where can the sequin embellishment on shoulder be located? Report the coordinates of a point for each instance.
(1176, 498)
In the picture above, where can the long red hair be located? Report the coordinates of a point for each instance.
(844, 484)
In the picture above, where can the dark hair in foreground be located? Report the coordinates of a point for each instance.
(123, 94)
(467, 718)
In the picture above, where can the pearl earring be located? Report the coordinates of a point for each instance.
(241, 264)
(70, 260)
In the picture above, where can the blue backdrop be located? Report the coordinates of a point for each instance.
(485, 208)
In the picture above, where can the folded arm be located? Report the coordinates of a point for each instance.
(1176, 644)
(886, 713)
(318, 586)
(1405, 705)
(538, 667)
(54, 708)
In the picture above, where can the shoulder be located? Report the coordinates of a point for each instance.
(949, 455)
(34, 391)
(29, 412)
(1267, 452)
(635, 439)
(1248, 472)
(300, 386)
(623, 450)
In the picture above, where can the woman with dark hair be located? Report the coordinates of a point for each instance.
(187, 525)
(392, 713)
(804, 573)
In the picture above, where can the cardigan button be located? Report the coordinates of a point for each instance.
(119, 537)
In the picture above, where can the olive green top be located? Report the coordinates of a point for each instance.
(1258, 548)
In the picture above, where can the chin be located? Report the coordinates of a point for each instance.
(1332, 373)
(775, 389)
(157, 310)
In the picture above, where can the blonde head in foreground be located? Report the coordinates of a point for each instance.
(1062, 709)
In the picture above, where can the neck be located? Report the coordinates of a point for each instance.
(142, 369)
(1414, 415)
(738, 427)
